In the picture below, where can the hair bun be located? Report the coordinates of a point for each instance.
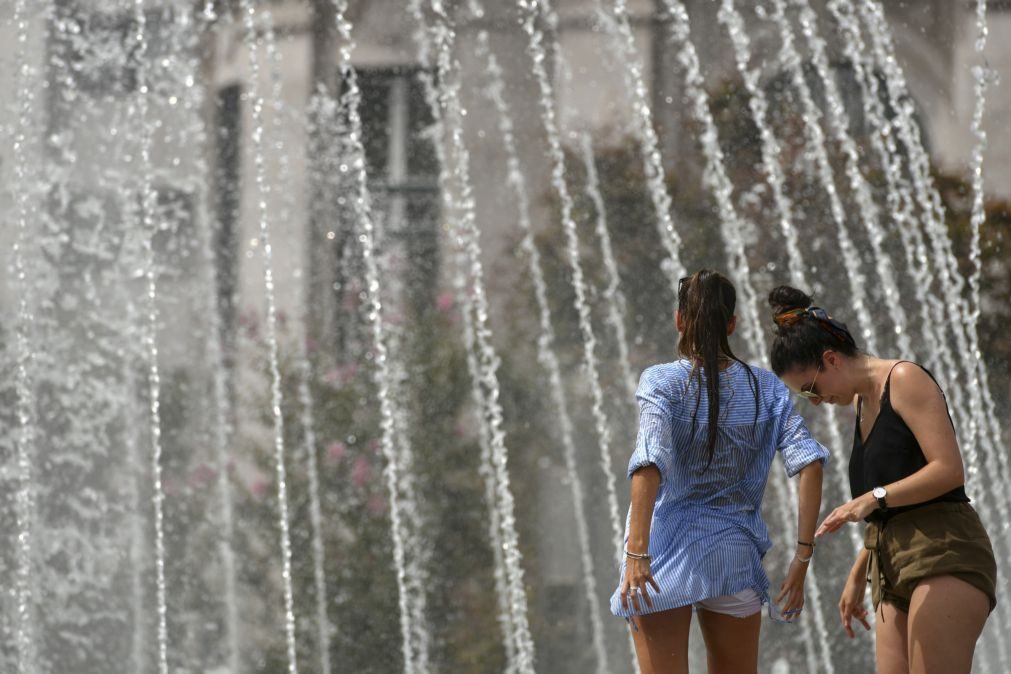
(784, 298)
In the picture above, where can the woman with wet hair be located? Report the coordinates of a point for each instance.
(709, 427)
(927, 556)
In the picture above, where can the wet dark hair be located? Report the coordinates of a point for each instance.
(706, 302)
(804, 332)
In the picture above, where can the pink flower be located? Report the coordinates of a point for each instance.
(361, 472)
(341, 374)
(445, 302)
(259, 486)
(335, 451)
(202, 475)
(376, 505)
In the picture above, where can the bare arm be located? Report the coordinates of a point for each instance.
(645, 483)
(851, 602)
(810, 504)
(916, 398)
(791, 593)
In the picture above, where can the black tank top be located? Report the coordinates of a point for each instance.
(889, 454)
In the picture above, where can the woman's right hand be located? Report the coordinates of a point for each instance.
(851, 604)
(637, 575)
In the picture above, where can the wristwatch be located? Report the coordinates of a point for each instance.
(880, 494)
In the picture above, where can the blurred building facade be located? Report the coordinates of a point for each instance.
(313, 251)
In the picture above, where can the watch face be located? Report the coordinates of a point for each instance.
(879, 492)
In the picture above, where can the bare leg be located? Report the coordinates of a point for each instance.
(731, 643)
(946, 617)
(661, 642)
(890, 630)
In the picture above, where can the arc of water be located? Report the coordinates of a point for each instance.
(815, 140)
(135, 470)
(488, 475)
(25, 636)
(248, 11)
(715, 176)
(978, 217)
(303, 368)
(900, 199)
(929, 201)
(365, 233)
(620, 33)
(419, 551)
(501, 575)
(981, 75)
(718, 183)
(485, 468)
(222, 424)
(978, 220)
(458, 195)
(614, 298)
(993, 423)
(758, 104)
(531, 13)
(546, 341)
(838, 122)
(150, 227)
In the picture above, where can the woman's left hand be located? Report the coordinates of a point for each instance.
(854, 511)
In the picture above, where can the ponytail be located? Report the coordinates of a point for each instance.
(706, 302)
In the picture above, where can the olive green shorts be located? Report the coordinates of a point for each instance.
(940, 539)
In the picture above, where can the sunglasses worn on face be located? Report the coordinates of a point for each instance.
(808, 391)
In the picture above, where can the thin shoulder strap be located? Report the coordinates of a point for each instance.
(888, 379)
(932, 377)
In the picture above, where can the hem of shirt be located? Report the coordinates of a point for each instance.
(762, 590)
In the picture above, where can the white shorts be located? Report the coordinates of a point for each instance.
(740, 605)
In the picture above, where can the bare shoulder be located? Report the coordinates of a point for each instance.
(912, 388)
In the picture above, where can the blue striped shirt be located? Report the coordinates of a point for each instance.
(707, 538)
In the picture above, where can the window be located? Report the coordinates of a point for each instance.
(403, 178)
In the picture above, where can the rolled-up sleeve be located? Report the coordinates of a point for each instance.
(653, 444)
(795, 443)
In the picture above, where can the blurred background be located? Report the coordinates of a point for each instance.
(322, 318)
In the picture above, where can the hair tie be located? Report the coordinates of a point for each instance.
(790, 316)
(830, 325)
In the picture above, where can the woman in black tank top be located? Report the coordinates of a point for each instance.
(926, 554)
